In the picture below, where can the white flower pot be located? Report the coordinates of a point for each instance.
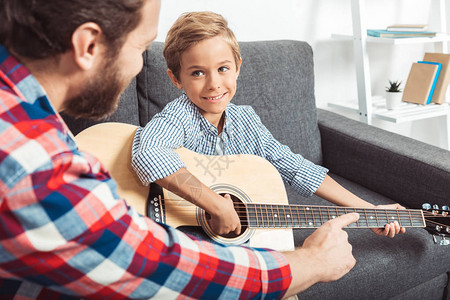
(393, 100)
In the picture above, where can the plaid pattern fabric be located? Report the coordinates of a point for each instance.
(181, 124)
(64, 230)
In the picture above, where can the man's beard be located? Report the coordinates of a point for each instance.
(100, 97)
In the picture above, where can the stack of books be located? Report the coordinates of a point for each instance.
(402, 31)
(428, 79)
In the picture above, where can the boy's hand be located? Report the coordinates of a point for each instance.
(224, 218)
(390, 229)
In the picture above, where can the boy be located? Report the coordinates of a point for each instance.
(204, 60)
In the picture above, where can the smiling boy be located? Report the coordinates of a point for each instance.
(204, 60)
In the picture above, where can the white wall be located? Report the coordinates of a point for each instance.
(314, 21)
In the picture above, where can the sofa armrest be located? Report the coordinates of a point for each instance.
(406, 170)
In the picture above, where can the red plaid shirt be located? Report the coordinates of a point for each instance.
(64, 230)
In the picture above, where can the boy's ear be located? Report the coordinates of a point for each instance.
(239, 67)
(174, 79)
(86, 45)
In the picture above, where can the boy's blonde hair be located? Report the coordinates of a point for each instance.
(192, 28)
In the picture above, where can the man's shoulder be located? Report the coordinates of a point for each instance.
(8, 99)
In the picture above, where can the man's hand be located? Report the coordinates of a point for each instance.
(224, 218)
(390, 229)
(325, 256)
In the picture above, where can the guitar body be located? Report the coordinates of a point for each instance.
(247, 178)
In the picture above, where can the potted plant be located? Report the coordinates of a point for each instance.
(393, 94)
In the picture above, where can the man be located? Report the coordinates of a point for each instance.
(65, 231)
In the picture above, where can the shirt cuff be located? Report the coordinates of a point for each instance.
(308, 179)
(276, 274)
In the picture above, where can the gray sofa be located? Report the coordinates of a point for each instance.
(277, 79)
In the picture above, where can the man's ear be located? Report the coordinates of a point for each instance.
(174, 79)
(86, 45)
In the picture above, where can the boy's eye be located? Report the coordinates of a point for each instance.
(197, 73)
(223, 69)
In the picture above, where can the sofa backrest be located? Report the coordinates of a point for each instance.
(276, 79)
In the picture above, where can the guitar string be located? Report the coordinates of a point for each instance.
(256, 216)
(243, 209)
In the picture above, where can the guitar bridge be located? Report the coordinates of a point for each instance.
(155, 203)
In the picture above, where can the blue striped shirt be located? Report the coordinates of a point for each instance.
(180, 124)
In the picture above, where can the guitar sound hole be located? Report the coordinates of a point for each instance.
(240, 209)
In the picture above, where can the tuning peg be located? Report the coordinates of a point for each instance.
(435, 210)
(426, 206)
(445, 210)
(438, 228)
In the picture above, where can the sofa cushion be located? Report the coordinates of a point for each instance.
(376, 274)
(276, 79)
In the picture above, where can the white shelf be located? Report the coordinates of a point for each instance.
(405, 113)
(367, 107)
(396, 41)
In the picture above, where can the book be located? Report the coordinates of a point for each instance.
(435, 77)
(382, 33)
(444, 77)
(407, 27)
(419, 83)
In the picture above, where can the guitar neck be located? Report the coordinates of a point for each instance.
(303, 216)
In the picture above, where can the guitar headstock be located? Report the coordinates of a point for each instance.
(437, 221)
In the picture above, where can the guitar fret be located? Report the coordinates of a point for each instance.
(321, 216)
(381, 217)
(372, 222)
(285, 224)
(278, 217)
(309, 217)
(354, 224)
(297, 217)
(305, 218)
(362, 222)
(256, 217)
(291, 217)
(250, 216)
(267, 213)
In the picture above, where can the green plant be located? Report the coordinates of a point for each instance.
(394, 87)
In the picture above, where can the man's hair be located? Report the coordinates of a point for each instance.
(192, 28)
(40, 29)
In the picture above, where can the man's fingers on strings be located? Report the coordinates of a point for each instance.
(345, 220)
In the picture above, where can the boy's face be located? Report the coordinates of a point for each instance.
(208, 75)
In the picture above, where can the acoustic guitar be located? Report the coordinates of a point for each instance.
(255, 186)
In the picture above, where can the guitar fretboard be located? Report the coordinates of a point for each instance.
(303, 216)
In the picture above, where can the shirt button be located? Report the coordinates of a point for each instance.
(212, 128)
(200, 133)
(209, 144)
